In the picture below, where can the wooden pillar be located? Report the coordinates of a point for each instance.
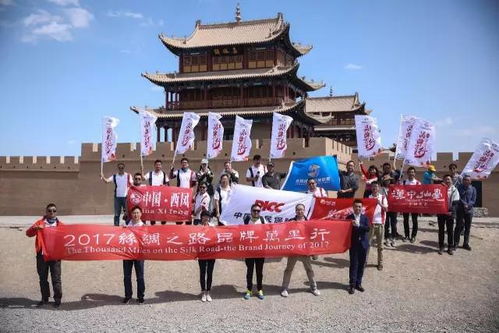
(165, 128)
(158, 133)
(275, 55)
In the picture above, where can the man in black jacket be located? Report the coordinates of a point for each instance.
(358, 247)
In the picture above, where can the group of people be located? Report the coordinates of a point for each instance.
(210, 201)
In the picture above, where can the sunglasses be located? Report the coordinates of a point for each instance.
(51, 210)
(256, 210)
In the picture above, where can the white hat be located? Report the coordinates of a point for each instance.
(204, 161)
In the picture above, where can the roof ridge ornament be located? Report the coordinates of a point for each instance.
(331, 91)
(238, 13)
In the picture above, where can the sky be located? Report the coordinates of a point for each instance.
(65, 64)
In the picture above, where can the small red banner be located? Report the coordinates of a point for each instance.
(330, 208)
(422, 199)
(161, 203)
(184, 242)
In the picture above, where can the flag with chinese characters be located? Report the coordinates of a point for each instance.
(333, 208)
(109, 139)
(421, 144)
(161, 203)
(418, 199)
(405, 131)
(147, 142)
(483, 160)
(368, 138)
(186, 136)
(215, 135)
(241, 142)
(280, 125)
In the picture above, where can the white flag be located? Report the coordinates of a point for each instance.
(421, 144)
(278, 144)
(147, 143)
(109, 139)
(241, 142)
(406, 126)
(368, 138)
(483, 160)
(215, 135)
(186, 136)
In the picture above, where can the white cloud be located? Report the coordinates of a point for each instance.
(41, 16)
(79, 17)
(477, 131)
(54, 30)
(65, 2)
(353, 67)
(447, 121)
(71, 142)
(128, 14)
(6, 2)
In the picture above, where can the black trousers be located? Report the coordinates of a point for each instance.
(252, 263)
(127, 277)
(43, 268)
(391, 225)
(414, 218)
(206, 273)
(358, 256)
(463, 220)
(445, 222)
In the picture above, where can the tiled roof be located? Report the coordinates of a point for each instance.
(332, 104)
(233, 33)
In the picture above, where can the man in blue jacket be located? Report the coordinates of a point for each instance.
(467, 199)
(358, 247)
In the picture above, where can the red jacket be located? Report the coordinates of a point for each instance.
(32, 231)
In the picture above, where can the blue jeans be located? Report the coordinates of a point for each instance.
(127, 277)
(119, 206)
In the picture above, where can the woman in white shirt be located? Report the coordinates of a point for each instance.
(201, 202)
(206, 266)
(222, 196)
(135, 221)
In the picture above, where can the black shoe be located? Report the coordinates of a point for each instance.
(467, 247)
(359, 288)
(351, 291)
(57, 303)
(450, 251)
(440, 250)
(413, 239)
(126, 300)
(141, 300)
(405, 239)
(42, 302)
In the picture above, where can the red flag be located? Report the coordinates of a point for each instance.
(330, 208)
(161, 203)
(423, 199)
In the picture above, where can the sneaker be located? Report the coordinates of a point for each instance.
(360, 288)
(315, 292)
(405, 239)
(450, 251)
(141, 300)
(392, 242)
(208, 297)
(467, 247)
(126, 300)
(386, 243)
(42, 302)
(57, 303)
(440, 250)
(203, 297)
(248, 294)
(413, 239)
(284, 293)
(260, 295)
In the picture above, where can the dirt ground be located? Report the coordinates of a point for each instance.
(418, 291)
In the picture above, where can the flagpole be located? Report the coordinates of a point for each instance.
(397, 145)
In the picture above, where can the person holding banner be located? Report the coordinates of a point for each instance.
(317, 191)
(446, 221)
(467, 196)
(272, 179)
(378, 222)
(411, 180)
(206, 266)
(135, 221)
(256, 171)
(254, 263)
(122, 181)
(205, 175)
(358, 247)
(157, 178)
(201, 203)
(307, 264)
(370, 175)
(233, 174)
(349, 181)
(222, 195)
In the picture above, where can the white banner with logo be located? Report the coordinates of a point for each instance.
(368, 137)
(109, 139)
(422, 143)
(147, 142)
(405, 131)
(277, 206)
(483, 160)
(215, 135)
(186, 136)
(280, 125)
(241, 142)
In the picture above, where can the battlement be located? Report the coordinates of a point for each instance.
(40, 163)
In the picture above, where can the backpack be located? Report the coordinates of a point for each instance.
(150, 177)
(116, 184)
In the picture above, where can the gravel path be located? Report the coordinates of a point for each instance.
(418, 291)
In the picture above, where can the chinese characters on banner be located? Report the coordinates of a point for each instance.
(368, 138)
(161, 203)
(483, 160)
(186, 136)
(421, 144)
(215, 135)
(277, 206)
(98, 242)
(324, 169)
(423, 199)
(331, 208)
(405, 132)
(241, 142)
(147, 142)
(280, 125)
(109, 139)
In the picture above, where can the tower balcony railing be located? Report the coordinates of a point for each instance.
(228, 103)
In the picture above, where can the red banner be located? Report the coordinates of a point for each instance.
(423, 199)
(184, 242)
(161, 203)
(330, 208)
